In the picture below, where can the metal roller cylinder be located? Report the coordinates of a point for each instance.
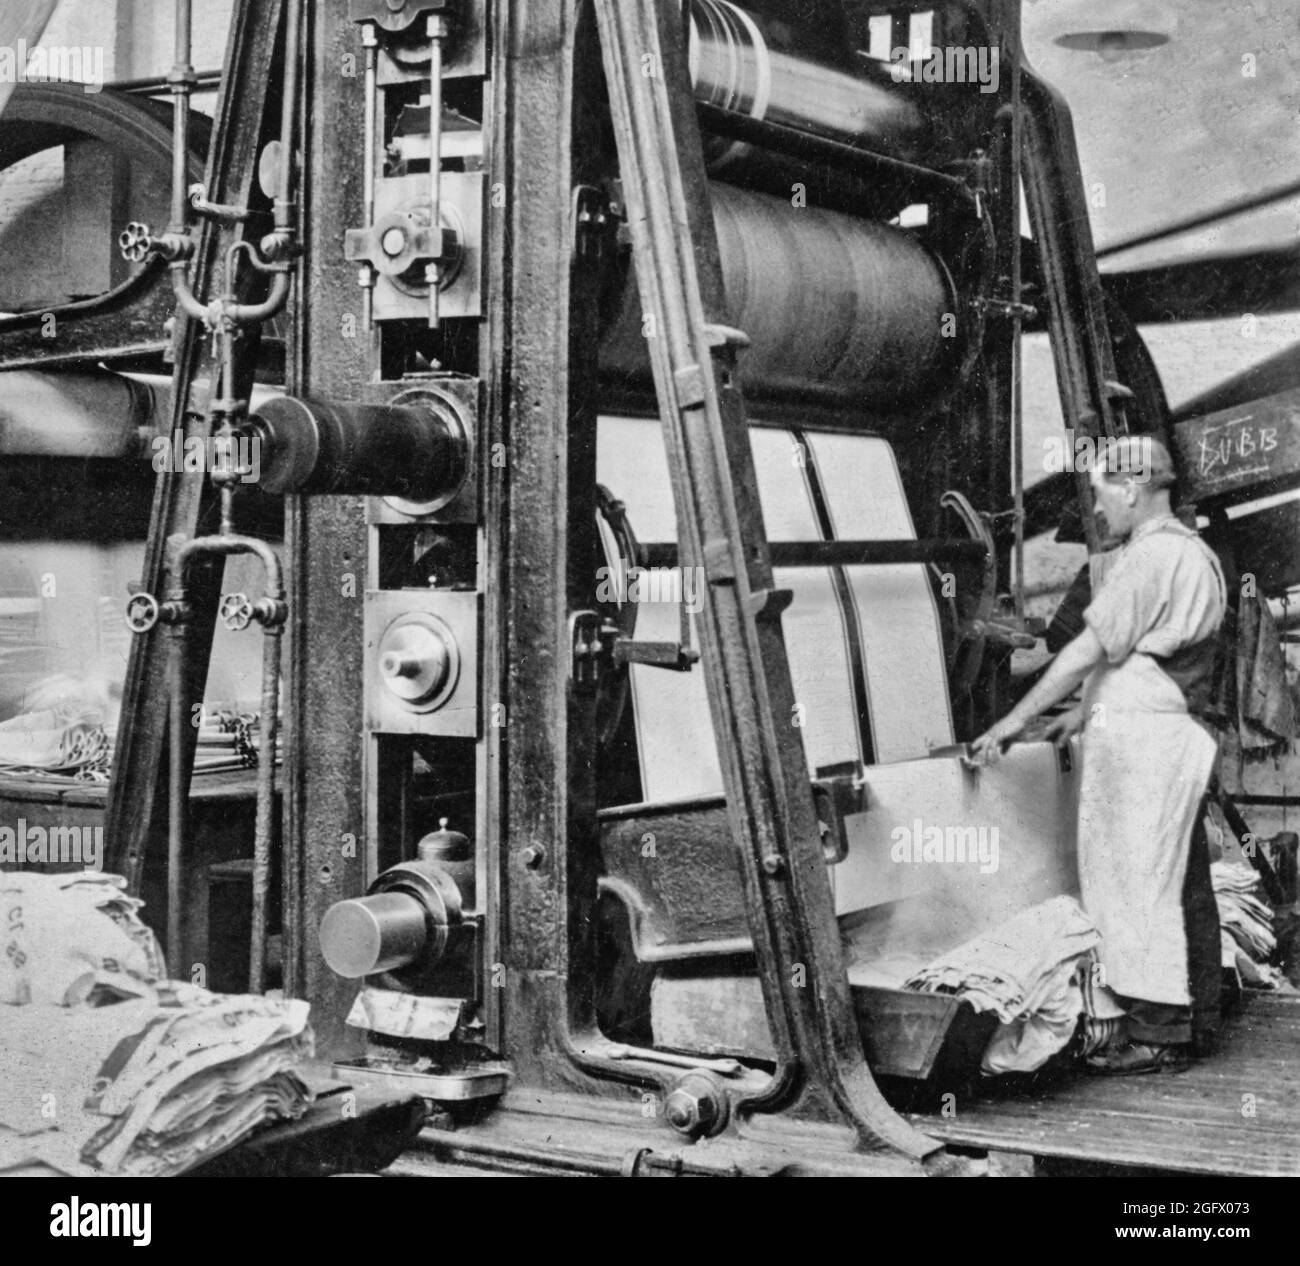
(736, 66)
(402, 924)
(373, 934)
(824, 298)
(417, 450)
(74, 414)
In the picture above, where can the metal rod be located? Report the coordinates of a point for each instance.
(437, 29)
(154, 84)
(1017, 369)
(1199, 221)
(466, 1146)
(178, 805)
(182, 82)
(788, 140)
(370, 42)
(284, 195)
(265, 825)
(843, 553)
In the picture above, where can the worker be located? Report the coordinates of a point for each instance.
(1146, 658)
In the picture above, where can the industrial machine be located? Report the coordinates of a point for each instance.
(650, 456)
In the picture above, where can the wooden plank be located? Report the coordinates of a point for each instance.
(1247, 447)
(1192, 1122)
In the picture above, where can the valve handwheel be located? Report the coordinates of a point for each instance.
(236, 611)
(134, 242)
(142, 612)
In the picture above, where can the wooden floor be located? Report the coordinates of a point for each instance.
(1237, 1112)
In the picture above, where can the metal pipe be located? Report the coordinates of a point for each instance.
(807, 145)
(437, 30)
(184, 295)
(178, 804)
(181, 80)
(236, 313)
(265, 825)
(224, 546)
(469, 1146)
(151, 85)
(222, 316)
(284, 200)
(227, 545)
(843, 553)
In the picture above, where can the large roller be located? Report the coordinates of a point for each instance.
(824, 298)
(74, 414)
(775, 73)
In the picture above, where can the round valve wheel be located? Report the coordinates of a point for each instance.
(134, 242)
(236, 611)
(142, 612)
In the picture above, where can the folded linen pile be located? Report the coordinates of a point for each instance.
(54, 740)
(1245, 925)
(146, 1086)
(107, 1067)
(1026, 971)
(59, 932)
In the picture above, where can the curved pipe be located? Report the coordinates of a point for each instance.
(178, 792)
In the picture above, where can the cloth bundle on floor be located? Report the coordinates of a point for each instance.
(106, 1066)
(1246, 925)
(1026, 971)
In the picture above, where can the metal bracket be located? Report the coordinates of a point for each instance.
(972, 634)
(656, 654)
(836, 798)
(591, 650)
(1003, 308)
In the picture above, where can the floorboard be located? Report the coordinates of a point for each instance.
(1237, 1112)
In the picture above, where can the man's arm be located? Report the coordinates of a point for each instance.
(1064, 675)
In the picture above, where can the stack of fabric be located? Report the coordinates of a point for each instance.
(61, 934)
(106, 1067)
(1245, 925)
(61, 740)
(1027, 971)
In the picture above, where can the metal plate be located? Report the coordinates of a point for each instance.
(484, 1081)
(457, 715)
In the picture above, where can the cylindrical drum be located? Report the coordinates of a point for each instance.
(412, 450)
(369, 935)
(74, 414)
(824, 298)
(780, 77)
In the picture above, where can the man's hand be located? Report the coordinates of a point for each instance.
(1062, 729)
(986, 749)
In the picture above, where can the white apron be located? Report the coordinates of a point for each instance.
(1146, 764)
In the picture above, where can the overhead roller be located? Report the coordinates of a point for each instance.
(775, 74)
(823, 297)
